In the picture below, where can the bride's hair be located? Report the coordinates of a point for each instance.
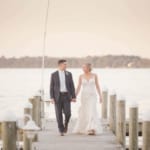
(89, 66)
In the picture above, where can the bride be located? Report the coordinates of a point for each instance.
(88, 121)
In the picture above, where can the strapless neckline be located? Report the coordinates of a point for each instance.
(88, 80)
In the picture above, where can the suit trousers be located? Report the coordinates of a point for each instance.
(63, 106)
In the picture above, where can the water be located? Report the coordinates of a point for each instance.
(17, 85)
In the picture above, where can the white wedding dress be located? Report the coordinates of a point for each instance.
(88, 116)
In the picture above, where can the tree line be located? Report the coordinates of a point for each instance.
(107, 61)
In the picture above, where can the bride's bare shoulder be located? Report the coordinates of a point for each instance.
(81, 75)
(94, 74)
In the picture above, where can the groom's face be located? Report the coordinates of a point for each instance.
(63, 66)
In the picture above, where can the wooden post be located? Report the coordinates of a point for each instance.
(9, 132)
(27, 111)
(26, 140)
(146, 132)
(133, 127)
(36, 102)
(31, 100)
(41, 93)
(36, 112)
(112, 112)
(104, 104)
(42, 108)
(0, 130)
(121, 122)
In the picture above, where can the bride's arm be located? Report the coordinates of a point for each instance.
(79, 86)
(98, 88)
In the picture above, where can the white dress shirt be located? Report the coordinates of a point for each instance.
(62, 79)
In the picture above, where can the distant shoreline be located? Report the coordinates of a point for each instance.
(75, 68)
(107, 61)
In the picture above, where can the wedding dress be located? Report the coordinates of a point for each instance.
(88, 116)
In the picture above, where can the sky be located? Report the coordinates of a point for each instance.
(75, 27)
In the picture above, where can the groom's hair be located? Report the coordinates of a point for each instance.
(61, 61)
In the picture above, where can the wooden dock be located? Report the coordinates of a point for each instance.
(49, 139)
(115, 128)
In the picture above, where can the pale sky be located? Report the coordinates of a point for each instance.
(75, 27)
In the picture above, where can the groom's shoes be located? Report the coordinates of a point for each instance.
(61, 134)
(66, 129)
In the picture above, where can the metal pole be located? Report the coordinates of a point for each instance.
(44, 46)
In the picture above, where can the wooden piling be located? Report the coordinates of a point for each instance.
(133, 127)
(0, 130)
(112, 113)
(26, 140)
(41, 93)
(42, 108)
(104, 104)
(31, 100)
(121, 122)
(9, 135)
(36, 111)
(27, 111)
(9, 132)
(146, 132)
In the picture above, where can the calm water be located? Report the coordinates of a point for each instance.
(17, 85)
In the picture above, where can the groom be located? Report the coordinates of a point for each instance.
(62, 93)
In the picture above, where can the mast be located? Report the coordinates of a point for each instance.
(44, 48)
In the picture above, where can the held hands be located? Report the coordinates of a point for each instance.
(52, 101)
(101, 100)
(73, 100)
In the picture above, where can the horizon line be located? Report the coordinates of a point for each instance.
(35, 56)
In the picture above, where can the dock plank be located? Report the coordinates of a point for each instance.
(49, 139)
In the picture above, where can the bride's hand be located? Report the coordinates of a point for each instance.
(73, 100)
(100, 100)
(52, 101)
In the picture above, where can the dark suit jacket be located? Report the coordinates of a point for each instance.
(55, 86)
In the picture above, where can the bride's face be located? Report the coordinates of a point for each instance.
(85, 69)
